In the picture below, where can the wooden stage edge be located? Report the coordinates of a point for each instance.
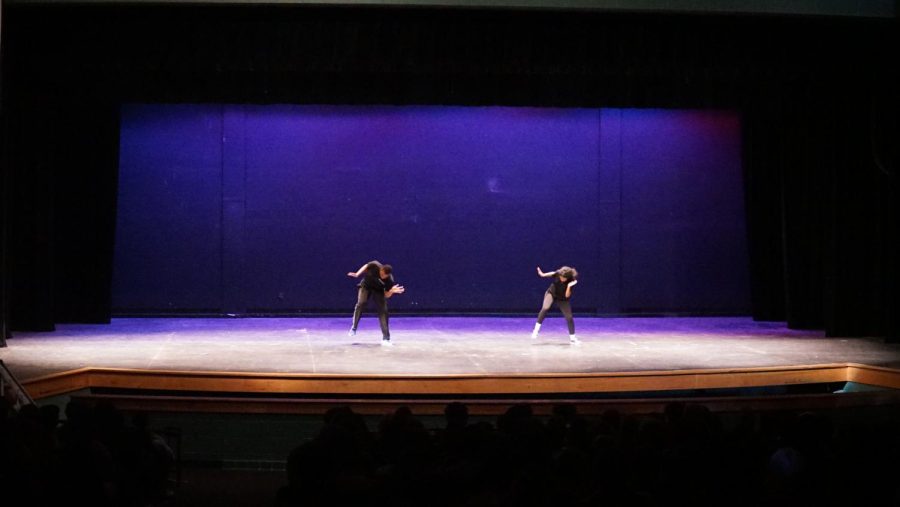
(456, 386)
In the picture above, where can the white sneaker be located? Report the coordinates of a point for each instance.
(573, 340)
(537, 329)
(386, 343)
(352, 332)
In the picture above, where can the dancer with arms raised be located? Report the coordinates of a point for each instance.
(559, 292)
(378, 285)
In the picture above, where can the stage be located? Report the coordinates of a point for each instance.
(274, 354)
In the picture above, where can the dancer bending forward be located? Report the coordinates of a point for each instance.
(377, 282)
(560, 292)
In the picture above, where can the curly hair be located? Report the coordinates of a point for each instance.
(567, 272)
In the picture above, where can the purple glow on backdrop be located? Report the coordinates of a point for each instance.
(267, 207)
(682, 209)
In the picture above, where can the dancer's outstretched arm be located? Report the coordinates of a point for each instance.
(569, 288)
(359, 272)
(396, 289)
(545, 275)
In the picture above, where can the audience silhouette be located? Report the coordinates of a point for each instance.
(685, 455)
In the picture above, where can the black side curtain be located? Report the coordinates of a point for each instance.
(63, 162)
(821, 211)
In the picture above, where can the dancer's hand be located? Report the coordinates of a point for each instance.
(352, 275)
(397, 289)
(540, 273)
(572, 283)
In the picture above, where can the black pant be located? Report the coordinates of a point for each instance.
(381, 305)
(564, 306)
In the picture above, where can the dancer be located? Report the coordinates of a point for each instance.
(560, 291)
(377, 282)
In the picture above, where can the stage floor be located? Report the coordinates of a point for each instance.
(432, 346)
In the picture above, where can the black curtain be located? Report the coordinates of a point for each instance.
(822, 215)
(816, 95)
